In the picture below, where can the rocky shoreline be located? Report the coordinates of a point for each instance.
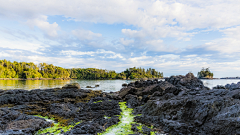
(178, 105)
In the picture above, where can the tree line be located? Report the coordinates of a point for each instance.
(30, 70)
(27, 70)
(130, 73)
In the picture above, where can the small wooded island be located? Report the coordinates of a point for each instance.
(24, 70)
(205, 74)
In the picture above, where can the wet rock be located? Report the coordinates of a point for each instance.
(129, 90)
(189, 81)
(132, 101)
(72, 86)
(219, 87)
(86, 128)
(134, 127)
(14, 122)
(233, 86)
(124, 84)
(210, 112)
(146, 130)
(106, 122)
(162, 88)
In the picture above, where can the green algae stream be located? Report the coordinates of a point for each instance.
(122, 128)
(56, 129)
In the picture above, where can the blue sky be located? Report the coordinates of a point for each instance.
(172, 36)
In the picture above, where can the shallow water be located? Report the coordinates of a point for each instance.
(215, 82)
(105, 85)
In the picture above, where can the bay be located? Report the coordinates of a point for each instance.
(104, 85)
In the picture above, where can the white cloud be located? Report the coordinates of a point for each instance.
(146, 14)
(152, 22)
(111, 54)
(157, 45)
(133, 33)
(21, 45)
(228, 44)
(42, 24)
(70, 52)
(86, 34)
(126, 42)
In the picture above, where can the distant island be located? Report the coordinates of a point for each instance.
(30, 71)
(230, 78)
(205, 74)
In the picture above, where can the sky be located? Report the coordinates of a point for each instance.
(172, 36)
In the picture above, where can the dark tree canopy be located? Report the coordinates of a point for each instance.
(43, 70)
(30, 70)
(134, 72)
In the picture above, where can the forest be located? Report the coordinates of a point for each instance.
(30, 70)
(130, 73)
(27, 70)
(205, 73)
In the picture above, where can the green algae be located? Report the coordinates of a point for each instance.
(98, 101)
(125, 124)
(55, 128)
(122, 128)
(106, 117)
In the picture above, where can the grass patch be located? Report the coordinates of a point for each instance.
(55, 128)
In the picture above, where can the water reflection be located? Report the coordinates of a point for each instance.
(31, 84)
(105, 85)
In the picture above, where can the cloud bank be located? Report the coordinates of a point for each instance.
(173, 36)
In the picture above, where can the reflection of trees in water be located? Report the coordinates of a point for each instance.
(31, 84)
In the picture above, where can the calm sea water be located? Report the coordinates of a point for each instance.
(105, 85)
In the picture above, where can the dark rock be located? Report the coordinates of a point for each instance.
(219, 87)
(188, 81)
(14, 122)
(72, 86)
(132, 101)
(146, 130)
(210, 112)
(86, 128)
(134, 127)
(129, 90)
(233, 86)
(124, 84)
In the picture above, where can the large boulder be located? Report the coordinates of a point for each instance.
(162, 88)
(72, 86)
(188, 81)
(14, 122)
(128, 90)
